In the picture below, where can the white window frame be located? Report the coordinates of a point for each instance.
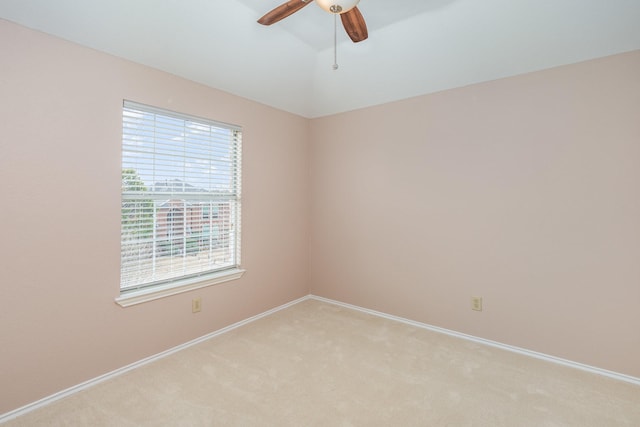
(155, 289)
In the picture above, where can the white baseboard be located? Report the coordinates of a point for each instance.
(530, 353)
(75, 389)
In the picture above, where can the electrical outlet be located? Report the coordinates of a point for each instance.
(196, 305)
(476, 303)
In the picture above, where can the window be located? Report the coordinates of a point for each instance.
(180, 223)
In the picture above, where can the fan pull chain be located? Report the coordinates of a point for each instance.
(335, 41)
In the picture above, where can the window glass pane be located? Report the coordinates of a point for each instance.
(180, 197)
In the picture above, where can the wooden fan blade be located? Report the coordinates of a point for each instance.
(354, 25)
(282, 11)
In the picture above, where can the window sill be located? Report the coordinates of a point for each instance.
(177, 287)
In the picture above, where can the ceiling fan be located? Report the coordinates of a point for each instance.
(352, 19)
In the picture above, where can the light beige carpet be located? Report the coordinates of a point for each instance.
(317, 364)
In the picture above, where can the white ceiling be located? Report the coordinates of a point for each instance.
(414, 47)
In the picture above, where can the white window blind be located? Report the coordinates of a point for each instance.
(180, 197)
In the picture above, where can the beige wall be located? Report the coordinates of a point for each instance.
(524, 191)
(60, 142)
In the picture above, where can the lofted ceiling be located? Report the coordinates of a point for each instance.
(415, 47)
